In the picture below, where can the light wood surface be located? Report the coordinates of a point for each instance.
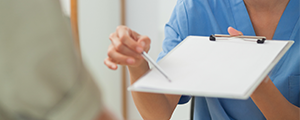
(124, 70)
(74, 23)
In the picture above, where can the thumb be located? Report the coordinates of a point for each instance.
(144, 41)
(234, 32)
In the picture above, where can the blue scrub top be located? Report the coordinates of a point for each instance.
(206, 17)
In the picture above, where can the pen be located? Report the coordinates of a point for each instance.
(148, 58)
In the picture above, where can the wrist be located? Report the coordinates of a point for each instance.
(261, 88)
(138, 71)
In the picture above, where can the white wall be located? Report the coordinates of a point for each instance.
(66, 7)
(97, 19)
(148, 17)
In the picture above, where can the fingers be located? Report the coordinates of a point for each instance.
(234, 32)
(134, 35)
(122, 48)
(110, 64)
(144, 41)
(114, 58)
(118, 58)
(126, 48)
(127, 38)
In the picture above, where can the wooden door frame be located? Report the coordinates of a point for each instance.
(124, 70)
(74, 23)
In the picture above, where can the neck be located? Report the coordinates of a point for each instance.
(266, 5)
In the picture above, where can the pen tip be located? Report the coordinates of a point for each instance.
(169, 80)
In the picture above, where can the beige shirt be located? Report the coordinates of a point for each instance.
(41, 75)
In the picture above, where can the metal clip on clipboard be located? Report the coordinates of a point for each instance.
(260, 39)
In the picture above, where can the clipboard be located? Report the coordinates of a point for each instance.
(223, 68)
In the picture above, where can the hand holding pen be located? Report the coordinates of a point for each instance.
(129, 48)
(126, 49)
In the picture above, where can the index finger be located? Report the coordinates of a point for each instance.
(123, 33)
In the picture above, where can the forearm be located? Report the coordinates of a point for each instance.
(273, 104)
(106, 115)
(155, 106)
(150, 105)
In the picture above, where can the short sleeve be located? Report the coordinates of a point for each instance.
(175, 30)
(184, 99)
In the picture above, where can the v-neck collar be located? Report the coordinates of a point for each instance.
(288, 21)
(284, 29)
(241, 17)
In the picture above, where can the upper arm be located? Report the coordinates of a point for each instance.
(176, 29)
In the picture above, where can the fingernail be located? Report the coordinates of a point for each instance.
(234, 32)
(143, 43)
(130, 61)
(240, 33)
(139, 49)
(114, 66)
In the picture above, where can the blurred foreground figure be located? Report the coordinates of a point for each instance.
(41, 74)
